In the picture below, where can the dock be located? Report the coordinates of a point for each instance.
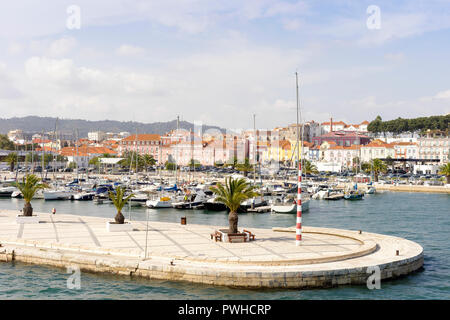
(261, 209)
(326, 257)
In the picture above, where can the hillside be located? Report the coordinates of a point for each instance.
(68, 126)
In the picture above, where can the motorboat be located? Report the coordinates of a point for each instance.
(290, 208)
(83, 196)
(191, 201)
(354, 195)
(252, 203)
(58, 194)
(162, 202)
(213, 205)
(371, 190)
(6, 192)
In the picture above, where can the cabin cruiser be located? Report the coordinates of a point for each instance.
(289, 205)
(7, 191)
(83, 196)
(213, 205)
(58, 194)
(161, 202)
(252, 203)
(191, 201)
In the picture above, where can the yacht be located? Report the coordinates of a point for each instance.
(7, 191)
(162, 202)
(58, 194)
(290, 206)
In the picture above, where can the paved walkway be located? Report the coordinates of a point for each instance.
(179, 241)
(325, 258)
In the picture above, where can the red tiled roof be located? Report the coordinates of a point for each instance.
(143, 137)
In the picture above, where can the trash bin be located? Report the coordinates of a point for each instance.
(183, 220)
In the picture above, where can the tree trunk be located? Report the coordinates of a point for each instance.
(233, 222)
(448, 179)
(27, 209)
(119, 218)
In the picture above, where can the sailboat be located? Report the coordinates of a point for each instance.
(285, 207)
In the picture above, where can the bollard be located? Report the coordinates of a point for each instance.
(53, 210)
(360, 231)
(183, 220)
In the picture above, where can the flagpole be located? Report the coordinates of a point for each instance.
(298, 227)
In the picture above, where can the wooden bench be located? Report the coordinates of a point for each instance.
(216, 235)
(237, 236)
(251, 236)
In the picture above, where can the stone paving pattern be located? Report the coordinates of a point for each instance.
(185, 252)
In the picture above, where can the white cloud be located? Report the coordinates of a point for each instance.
(61, 47)
(443, 95)
(15, 48)
(130, 51)
(395, 57)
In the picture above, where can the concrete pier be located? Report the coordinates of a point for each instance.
(327, 257)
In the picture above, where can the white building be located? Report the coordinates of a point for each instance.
(434, 148)
(96, 136)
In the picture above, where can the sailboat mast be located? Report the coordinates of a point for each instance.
(298, 231)
(176, 154)
(254, 149)
(76, 146)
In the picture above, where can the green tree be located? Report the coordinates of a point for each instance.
(11, 160)
(445, 170)
(170, 165)
(148, 161)
(378, 166)
(232, 194)
(245, 167)
(72, 165)
(5, 143)
(308, 167)
(119, 200)
(194, 164)
(28, 188)
(95, 161)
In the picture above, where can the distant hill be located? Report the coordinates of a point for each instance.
(34, 124)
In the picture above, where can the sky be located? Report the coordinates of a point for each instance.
(220, 62)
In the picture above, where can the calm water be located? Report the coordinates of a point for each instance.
(419, 217)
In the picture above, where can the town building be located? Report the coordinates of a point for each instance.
(342, 138)
(142, 144)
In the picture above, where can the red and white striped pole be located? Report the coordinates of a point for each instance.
(298, 228)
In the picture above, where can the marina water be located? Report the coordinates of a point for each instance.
(420, 217)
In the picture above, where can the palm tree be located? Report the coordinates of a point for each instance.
(28, 188)
(231, 194)
(11, 159)
(245, 167)
(378, 166)
(445, 170)
(308, 167)
(148, 160)
(119, 202)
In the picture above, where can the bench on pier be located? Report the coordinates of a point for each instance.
(251, 236)
(216, 235)
(224, 235)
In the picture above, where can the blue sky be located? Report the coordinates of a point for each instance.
(219, 62)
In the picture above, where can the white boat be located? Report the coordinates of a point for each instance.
(162, 202)
(58, 194)
(82, 196)
(290, 208)
(7, 191)
(371, 190)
